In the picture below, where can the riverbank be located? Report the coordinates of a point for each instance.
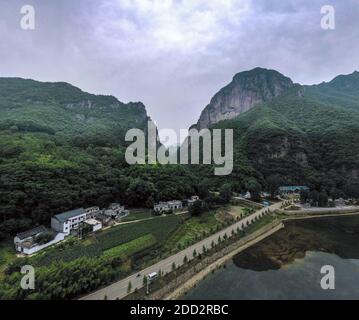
(288, 264)
(268, 263)
(241, 245)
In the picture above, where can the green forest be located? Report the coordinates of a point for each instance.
(62, 148)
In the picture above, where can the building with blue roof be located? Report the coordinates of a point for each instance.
(292, 189)
(66, 221)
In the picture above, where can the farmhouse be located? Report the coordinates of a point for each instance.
(92, 212)
(174, 205)
(104, 219)
(94, 224)
(192, 200)
(27, 236)
(167, 206)
(69, 220)
(28, 242)
(115, 211)
(92, 218)
(161, 207)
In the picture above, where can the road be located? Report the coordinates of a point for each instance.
(118, 290)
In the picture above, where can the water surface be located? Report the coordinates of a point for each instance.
(287, 265)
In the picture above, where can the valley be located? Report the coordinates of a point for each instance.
(62, 148)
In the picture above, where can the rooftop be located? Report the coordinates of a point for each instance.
(92, 222)
(62, 217)
(293, 188)
(31, 232)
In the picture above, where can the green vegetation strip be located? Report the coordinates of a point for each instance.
(131, 247)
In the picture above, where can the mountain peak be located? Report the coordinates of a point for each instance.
(346, 82)
(247, 89)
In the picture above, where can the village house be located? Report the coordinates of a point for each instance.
(62, 224)
(167, 206)
(92, 212)
(192, 200)
(27, 236)
(104, 219)
(115, 211)
(69, 220)
(94, 224)
(246, 195)
(27, 242)
(174, 205)
(161, 207)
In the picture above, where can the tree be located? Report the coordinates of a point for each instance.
(225, 193)
(44, 237)
(139, 191)
(194, 253)
(274, 182)
(203, 188)
(173, 266)
(323, 199)
(304, 196)
(314, 197)
(254, 188)
(185, 260)
(351, 188)
(196, 208)
(129, 288)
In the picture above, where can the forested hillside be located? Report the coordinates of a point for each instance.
(307, 135)
(62, 148)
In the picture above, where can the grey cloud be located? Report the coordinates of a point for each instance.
(174, 58)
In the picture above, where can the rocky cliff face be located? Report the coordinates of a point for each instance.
(246, 90)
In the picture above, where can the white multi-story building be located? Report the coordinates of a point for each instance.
(65, 222)
(92, 212)
(166, 206)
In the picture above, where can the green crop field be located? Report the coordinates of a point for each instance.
(138, 214)
(128, 239)
(131, 247)
(191, 229)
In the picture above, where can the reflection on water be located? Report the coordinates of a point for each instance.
(287, 265)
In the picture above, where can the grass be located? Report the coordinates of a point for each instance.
(7, 255)
(236, 211)
(137, 214)
(131, 247)
(192, 229)
(260, 223)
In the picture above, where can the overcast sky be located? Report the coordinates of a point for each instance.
(175, 55)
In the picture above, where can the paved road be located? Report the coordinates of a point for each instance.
(118, 290)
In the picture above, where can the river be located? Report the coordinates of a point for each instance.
(287, 265)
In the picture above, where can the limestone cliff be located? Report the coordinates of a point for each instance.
(246, 90)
